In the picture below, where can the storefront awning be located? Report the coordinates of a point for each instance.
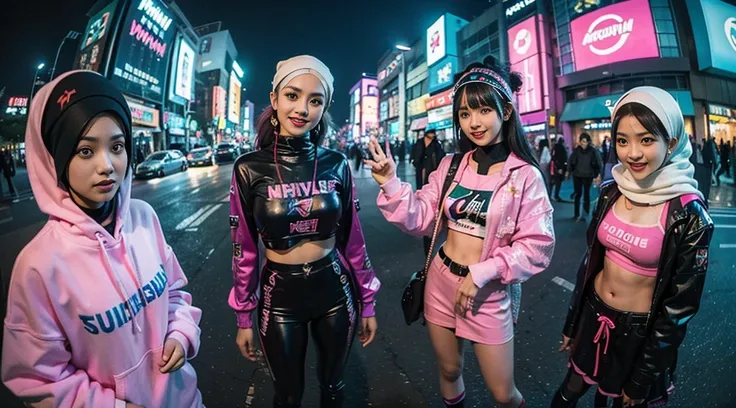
(419, 124)
(600, 107)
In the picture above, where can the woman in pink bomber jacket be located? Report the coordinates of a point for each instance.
(499, 231)
(96, 314)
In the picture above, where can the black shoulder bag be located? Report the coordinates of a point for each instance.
(412, 301)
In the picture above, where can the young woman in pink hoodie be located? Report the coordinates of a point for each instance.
(499, 231)
(96, 312)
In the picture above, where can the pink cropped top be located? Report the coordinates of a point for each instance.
(466, 207)
(635, 248)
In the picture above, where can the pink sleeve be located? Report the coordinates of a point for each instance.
(183, 317)
(414, 213)
(243, 297)
(532, 244)
(353, 248)
(35, 358)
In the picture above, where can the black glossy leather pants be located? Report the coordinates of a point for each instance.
(296, 299)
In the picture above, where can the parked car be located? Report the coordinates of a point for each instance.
(227, 151)
(201, 156)
(161, 163)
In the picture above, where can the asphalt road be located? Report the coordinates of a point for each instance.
(398, 369)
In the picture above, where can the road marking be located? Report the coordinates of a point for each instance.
(185, 223)
(225, 199)
(6, 220)
(155, 181)
(721, 215)
(176, 188)
(210, 253)
(195, 191)
(191, 230)
(204, 216)
(728, 246)
(725, 226)
(564, 283)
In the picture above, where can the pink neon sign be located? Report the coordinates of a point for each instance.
(523, 40)
(620, 32)
(524, 56)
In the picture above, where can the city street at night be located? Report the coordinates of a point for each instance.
(398, 369)
(202, 101)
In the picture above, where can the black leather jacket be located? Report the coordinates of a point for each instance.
(680, 279)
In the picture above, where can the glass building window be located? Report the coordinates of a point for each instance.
(669, 45)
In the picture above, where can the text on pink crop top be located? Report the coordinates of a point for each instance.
(635, 248)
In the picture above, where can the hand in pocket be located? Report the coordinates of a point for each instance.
(172, 357)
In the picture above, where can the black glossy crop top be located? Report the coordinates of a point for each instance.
(282, 203)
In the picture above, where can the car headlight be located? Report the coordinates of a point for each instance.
(231, 150)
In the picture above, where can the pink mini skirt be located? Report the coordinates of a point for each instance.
(489, 321)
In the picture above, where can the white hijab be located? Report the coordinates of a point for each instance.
(675, 177)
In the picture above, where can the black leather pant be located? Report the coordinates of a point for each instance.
(295, 298)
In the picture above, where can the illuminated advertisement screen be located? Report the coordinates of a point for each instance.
(716, 21)
(183, 71)
(442, 74)
(524, 57)
(18, 101)
(369, 87)
(529, 97)
(143, 50)
(233, 112)
(523, 40)
(369, 112)
(93, 45)
(393, 106)
(384, 110)
(436, 41)
(620, 32)
(219, 98)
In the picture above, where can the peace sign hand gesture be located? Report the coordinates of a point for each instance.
(383, 167)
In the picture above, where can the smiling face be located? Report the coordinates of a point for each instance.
(478, 116)
(638, 149)
(99, 163)
(299, 105)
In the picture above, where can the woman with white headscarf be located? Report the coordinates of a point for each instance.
(642, 276)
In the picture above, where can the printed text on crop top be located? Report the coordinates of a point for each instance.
(635, 248)
(466, 207)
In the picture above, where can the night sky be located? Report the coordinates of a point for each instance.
(347, 35)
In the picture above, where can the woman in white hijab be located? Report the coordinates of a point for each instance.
(641, 280)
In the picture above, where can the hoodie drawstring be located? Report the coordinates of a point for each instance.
(121, 288)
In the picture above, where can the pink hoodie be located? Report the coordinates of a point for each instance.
(69, 338)
(521, 237)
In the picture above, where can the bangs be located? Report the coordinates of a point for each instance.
(478, 95)
(645, 116)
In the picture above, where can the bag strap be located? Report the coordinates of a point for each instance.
(451, 172)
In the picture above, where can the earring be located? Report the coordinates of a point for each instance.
(274, 121)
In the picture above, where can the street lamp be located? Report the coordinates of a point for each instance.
(402, 81)
(33, 88)
(71, 35)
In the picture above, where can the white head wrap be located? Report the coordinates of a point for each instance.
(675, 177)
(304, 64)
